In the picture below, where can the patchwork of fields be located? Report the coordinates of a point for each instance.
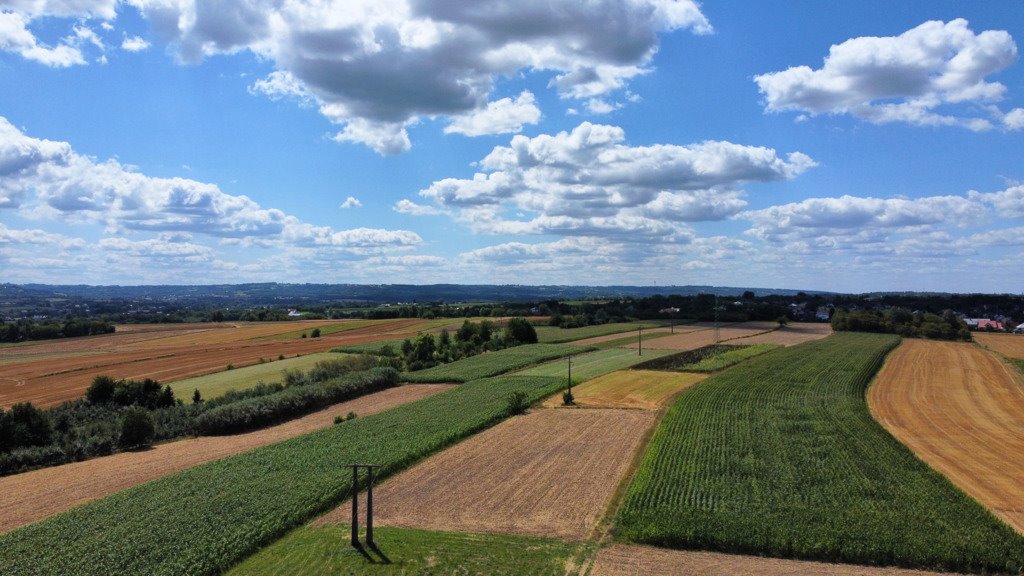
(775, 453)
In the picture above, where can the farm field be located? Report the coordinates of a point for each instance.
(216, 384)
(961, 410)
(702, 335)
(556, 335)
(1011, 345)
(629, 560)
(791, 334)
(493, 363)
(152, 529)
(48, 378)
(593, 364)
(408, 551)
(549, 472)
(38, 494)
(780, 456)
(642, 389)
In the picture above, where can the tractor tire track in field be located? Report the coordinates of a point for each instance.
(961, 410)
(32, 496)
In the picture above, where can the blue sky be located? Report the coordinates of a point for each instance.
(850, 146)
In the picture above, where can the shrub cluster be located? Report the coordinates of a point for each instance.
(27, 330)
(472, 338)
(292, 401)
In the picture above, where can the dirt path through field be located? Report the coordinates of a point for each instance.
(627, 560)
(961, 410)
(546, 473)
(35, 495)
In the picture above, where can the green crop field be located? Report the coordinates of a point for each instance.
(206, 519)
(556, 335)
(593, 364)
(710, 358)
(324, 550)
(216, 384)
(780, 456)
(729, 358)
(493, 363)
(372, 347)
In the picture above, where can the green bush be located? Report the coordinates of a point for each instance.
(137, 429)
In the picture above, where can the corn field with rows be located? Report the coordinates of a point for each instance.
(206, 519)
(780, 456)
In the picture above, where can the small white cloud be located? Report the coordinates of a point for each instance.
(351, 202)
(1014, 119)
(500, 117)
(409, 207)
(134, 44)
(600, 106)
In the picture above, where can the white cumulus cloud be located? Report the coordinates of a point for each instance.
(502, 116)
(921, 77)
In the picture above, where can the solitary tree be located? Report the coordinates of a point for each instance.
(137, 428)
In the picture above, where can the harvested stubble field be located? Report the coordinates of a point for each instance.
(35, 495)
(1011, 345)
(703, 335)
(49, 379)
(549, 472)
(627, 560)
(623, 337)
(641, 389)
(961, 410)
(781, 456)
(791, 334)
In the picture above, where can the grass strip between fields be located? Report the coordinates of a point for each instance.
(324, 550)
(493, 363)
(208, 518)
(593, 364)
(556, 335)
(780, 456)
(372, 347)
(218, 383)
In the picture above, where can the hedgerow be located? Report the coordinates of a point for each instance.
(780, 456)
(205, 519)
(293, 401)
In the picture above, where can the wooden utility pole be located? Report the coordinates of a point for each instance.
(369, 503)
(640, 341)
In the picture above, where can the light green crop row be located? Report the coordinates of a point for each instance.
(493, 363)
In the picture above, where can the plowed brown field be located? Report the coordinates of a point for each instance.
(1011, 345)
(961, 410)
(626, 560)
(49, 378)
(703, 334)
(550, 473)
(35, 495)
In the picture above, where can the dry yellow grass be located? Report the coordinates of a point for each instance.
(547, 473)
(1011, 345)
(961, 410)
(643, 389)
(626, 560)
(790, 335)
(35, 495)
(703, 334)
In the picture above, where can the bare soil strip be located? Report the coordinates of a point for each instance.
(701, 336)
(547, 473)
(1011, 345)
(623, 560)
(621, 335)
(961, 410)
(32, 496)
(639, 389)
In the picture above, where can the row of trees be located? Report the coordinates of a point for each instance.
(23, 330)
(472, 338)
(946, 326)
